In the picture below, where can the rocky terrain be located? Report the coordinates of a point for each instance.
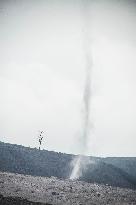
(20, 189)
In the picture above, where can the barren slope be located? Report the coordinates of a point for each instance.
(56, 191)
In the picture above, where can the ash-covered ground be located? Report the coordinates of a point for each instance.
(24, 189)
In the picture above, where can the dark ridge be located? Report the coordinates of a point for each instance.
(114, 171)
(128, 164)
(104, 173)
(31, 161)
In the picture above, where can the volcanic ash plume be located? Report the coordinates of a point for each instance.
(79, 162)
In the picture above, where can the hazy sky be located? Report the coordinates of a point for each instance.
(42, 74)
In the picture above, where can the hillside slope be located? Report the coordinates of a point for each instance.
(24, 160)
(128, 164)
(31, 161)
(104, 173)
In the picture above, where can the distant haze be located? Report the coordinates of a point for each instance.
(42, 74)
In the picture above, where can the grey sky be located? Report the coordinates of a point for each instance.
(42, 72)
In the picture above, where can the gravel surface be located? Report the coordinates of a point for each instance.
(20, 189)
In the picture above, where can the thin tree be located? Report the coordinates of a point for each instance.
(40, 137)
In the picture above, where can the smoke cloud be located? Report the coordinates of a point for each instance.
(79, 163)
